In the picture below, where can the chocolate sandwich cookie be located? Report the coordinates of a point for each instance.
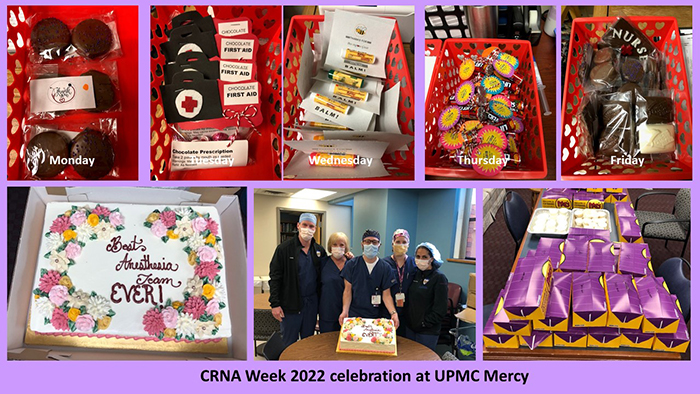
(632, 70)
(50, 37)
(92, 144)
(104, 90)
(603, 55)
(659, 110)
(92, 38)
(40, 151)
(603, 75)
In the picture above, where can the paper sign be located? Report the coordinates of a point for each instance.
(237, 48)
(240, 93)
(236, 71)
(234, 27)
(208, 154)
(61, 94)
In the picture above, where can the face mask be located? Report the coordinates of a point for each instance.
(306, 234)
(370, 251)
(337, 252)
(400, 249)
(423, 264)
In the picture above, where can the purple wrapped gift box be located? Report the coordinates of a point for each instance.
(490, 331)
(601, 257)
(572, 335)
(588, 299)
(588, 200)
(629, 229)
(634, 259)
(624, 210)
(536, 338)
(559, 299)
(588, 234)
(558, 198)
(677, 338)
(502, 320)
(624, 307)
(635, 336)
(658, 306)
(575, 256)
(528, 288)
(603, 335)
(552, 248)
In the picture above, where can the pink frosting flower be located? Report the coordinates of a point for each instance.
(73, 250)
(206, 253)
(153, 322)
(213, 307)
(49, 280)
(58, 295)
(101, 211)
(170, 316)
(59, 319)
(158, 229)
(206, 269)
(84, 323)
(195, 307)
(199, 224)
(213, 226)
(168, 218)
(116, 218)
(60, 224)
(78, 218)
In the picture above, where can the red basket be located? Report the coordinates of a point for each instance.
(446, 79)
(433, 48)
(663, 32)
(263, 149)
(126, 148)
(399, 164)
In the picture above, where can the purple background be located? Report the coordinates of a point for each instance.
(178, 376)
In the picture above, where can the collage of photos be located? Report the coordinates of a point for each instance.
(282, 192)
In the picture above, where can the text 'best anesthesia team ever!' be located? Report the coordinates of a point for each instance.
(306, 284)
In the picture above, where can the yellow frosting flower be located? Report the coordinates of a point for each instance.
(217, 319)
(68, 213)
(103, 324)
(36, 296)
(73, 313)
(65, 281)
(68, 235)
(171, 234)
(93, 220)
(192, 258)
(153, 217)
(169, 333)
(208, 291)
(211, 239)
(177, 304)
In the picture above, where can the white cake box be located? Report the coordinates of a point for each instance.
(223, 200)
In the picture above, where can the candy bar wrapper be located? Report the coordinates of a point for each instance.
(204, 23)
(636, 339)
(366, 84)
(558, 198)
(349, 95)
(527, 295)
(604, 337)
(367, 155)
(634, 259)
(241, 102)
(359, 43)
(503, 325)
(624, 307)
(661, 313)
(588, 300)
(353, 118)
(588, 234)
(196, 61)
(586, 200)
(191, 98)
(575, 256)
(233, 27)
(624, 210)
(242, 47)
(208, 154)
(552, 248)
(676, 342)
(601, 257)
(493, 339)
(396, 141)
(537, 339)
(573, 337)
(629, 230)
(189, 38)
(557, 316)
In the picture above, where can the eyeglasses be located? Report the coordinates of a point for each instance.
(370, 242)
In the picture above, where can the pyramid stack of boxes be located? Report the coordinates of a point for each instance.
(586, 291)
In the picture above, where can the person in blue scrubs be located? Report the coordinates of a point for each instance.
(404, 268)
(368, 281)
(426, 304)
(330, 304)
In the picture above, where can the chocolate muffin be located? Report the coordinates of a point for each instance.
(659, 110)
(603, 75)
(40, 151)
(92, 38)
(50, 37)
(104, 90)
(632, 70)
(92, 144)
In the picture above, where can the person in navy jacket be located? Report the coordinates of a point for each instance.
(404, 268)
(330, 303)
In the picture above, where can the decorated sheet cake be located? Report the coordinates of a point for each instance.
(367, 336)
(116, 271)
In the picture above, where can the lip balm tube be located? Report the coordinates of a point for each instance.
(358, 56)
(331, 126)
(351, 93)
(331, 104)
(346, 78)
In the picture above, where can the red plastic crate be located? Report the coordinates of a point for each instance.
(446, 79)
(663, 32)
(433, 48)
(263, 149)
(126, 148)
(399, 164)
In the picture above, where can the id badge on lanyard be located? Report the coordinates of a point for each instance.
(376, 298)
(400, 298)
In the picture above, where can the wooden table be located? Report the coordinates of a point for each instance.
(523, 353)
(322, 347)
(261, 301)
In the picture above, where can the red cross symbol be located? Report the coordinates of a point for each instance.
(189, 104)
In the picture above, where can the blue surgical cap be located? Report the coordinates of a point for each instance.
(434, 252)
(309, 217)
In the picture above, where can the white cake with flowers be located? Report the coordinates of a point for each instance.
(367, 336)
(131, 271)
